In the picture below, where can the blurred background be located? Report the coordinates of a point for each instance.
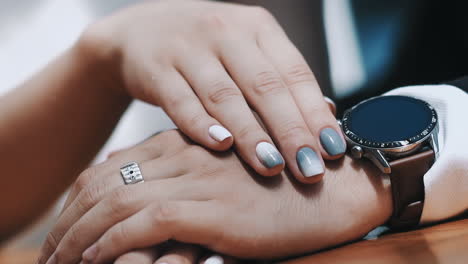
(356, 48)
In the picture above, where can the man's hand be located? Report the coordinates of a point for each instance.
(195, 196)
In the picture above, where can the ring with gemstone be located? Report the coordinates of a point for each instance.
(131, 173)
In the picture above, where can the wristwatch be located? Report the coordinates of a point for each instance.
(399, 134)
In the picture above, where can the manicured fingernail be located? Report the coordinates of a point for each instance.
(308, 162)
(52, 260)
(268, 155)
(90, 254)
(219, 133)
(215, 259)
(332, 142)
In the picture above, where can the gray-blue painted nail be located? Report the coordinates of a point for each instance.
(269, 155)
(332, 142)
(308, 162)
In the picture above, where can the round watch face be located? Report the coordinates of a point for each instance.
(389, 121)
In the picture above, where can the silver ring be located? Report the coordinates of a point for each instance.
(131, 173)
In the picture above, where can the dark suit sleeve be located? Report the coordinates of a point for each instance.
(461, 83)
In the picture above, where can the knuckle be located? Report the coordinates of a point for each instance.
(176, 102)
(85, 178)
(51, 241)
(299, 74)
(116, 153)
(118, 203)
(248, 133)
(223, 92)
(73, 237)
(261, 12)
(292, 129)
(268, 82)
(213, 21)
(319, 110)
(196, 119)
(71, 240)
(163, 214)
(194, 122)
(167, 143)
(89, 197)
(118, 234)
(119, 199)
(263, 19)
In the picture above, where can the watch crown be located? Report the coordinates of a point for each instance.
(357, 152)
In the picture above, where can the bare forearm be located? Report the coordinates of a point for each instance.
(50, 129)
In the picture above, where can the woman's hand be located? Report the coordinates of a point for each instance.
(207, 64)
(194, 196)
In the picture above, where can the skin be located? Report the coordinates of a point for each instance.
(126, 69)
(230, 63)
(211, 68)
(195, 201)
(37, 149)
(179, 254)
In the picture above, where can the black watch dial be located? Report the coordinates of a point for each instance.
(389, 121)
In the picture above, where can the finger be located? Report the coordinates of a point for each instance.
(140, 256)
(184, 221)
(117, 206)
(181, 254)
(152, 148)
(110, 180)
(272, 100)
(164, 144)
(305, 89)
(224, 101)
(218, 259)
(75, 208)
(185, 109)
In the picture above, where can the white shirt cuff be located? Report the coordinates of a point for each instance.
(446, 183)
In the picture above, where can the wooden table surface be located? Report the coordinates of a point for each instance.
(444, 243)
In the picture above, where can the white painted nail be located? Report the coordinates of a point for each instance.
(219, 133)
(269, 155)
(215, 259)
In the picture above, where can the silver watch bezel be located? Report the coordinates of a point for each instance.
(379, 153)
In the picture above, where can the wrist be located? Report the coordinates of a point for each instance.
(363, 197)
(373, 189)
(96, 50)
(376, 193)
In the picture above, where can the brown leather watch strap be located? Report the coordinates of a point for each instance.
(407, 181)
